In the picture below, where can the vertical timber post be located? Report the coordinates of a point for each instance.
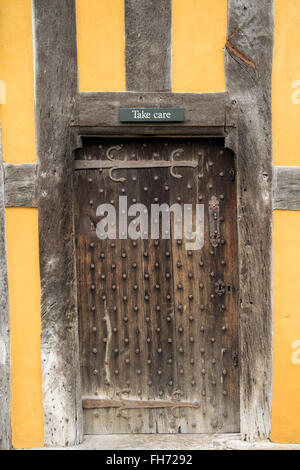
(55, 93)
(148, 45)
(248, 62)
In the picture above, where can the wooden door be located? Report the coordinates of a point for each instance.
(158, 322)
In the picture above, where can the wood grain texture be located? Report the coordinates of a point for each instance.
(148, 45)
(177, 328)
(250, 108)
(250, 88)
(56, 86)
(286, 188)
(20, 185)
(138, 131)
(102, 109)
(5, 426)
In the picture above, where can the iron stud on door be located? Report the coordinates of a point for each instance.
(152, 318)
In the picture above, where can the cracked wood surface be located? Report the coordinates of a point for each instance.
(237, 53)
(102, 109)
(250, 91)
(148, 45)
(249, 87)
(145, 317)
(56, 87)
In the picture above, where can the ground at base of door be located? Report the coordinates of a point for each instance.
(173, 442)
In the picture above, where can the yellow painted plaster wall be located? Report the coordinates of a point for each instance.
(286, 399)
(24, 301)
(16, 74)
(18, 139)
(286, 127)
(198, 41)
(286, 83)
(101, 45)
(199, 34)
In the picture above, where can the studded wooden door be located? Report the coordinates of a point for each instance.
(158, 322)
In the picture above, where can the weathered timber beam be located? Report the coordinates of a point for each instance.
(248, 69)
(56, 86)
(148, 45)
(286, 188)
(102, 109)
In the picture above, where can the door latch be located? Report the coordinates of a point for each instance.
(232, 174)
(220, 288)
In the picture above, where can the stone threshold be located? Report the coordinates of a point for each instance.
(173, 442)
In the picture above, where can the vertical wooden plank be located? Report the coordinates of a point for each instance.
(206, 319)
(157, 264)
(176, 337)
(248, 76)
(148, 45)
(141, 276)
(56, 86)
(5, 427)
(186, 299)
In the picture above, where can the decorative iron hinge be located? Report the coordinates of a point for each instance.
(123, 404)
(214, 221)
(114, 165)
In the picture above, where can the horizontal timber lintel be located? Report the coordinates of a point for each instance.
(201, 109)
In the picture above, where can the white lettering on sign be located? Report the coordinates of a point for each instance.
(151, 114)
(140, 114)
(296, 354)
(162, 115)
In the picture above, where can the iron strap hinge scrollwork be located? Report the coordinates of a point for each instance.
(112, 165)
(123, 404)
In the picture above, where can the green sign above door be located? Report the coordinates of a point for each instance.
(151, 114)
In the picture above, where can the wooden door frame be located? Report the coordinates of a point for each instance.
(211, 116)
(242, 116)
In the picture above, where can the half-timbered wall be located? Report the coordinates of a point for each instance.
(22, 424)
(188, 43)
